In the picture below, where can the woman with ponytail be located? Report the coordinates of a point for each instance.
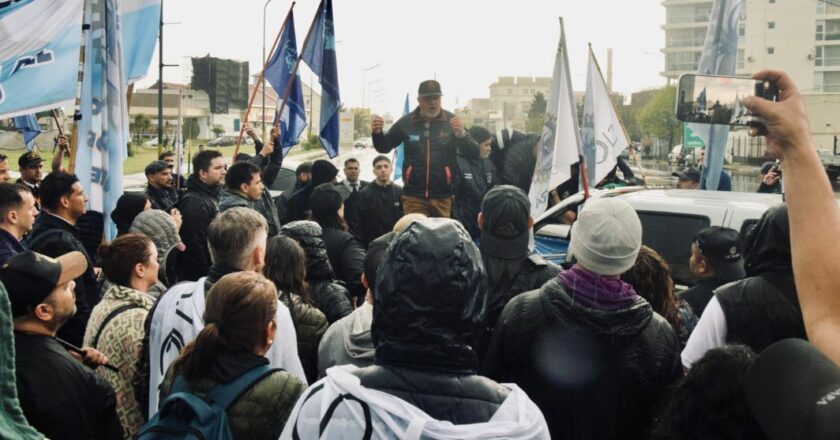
(239, 330)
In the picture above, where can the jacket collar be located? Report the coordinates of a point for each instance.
(122, 293)
(49, 219)
(195, 184)
(442, 117)
(7, 237)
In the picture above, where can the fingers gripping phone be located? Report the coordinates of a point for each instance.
(711, 99)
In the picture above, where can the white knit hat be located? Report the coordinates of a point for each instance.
(606, 237)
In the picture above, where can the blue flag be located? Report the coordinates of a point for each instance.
(103, 128)
(278, 72)
(319, 55)
(39, 55)
(139, 27)
(29, 128)
(399, 154)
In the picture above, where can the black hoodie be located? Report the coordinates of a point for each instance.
(198, 207)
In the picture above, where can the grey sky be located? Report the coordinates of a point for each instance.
(466, 44)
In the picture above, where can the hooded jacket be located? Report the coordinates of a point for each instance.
(475, 177)
(347, 257)
(310, 325)
(161, 229)
(331, 298)
(764, 308)
(348, 341)
(199, 206)
(606, 381)
(297, 207)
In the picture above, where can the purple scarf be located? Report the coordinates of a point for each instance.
(597, 292)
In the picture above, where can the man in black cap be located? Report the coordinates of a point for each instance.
(323, 171)
(771, 178)
(715, 261)
(31, 168)
(169, 158)
(60, 396)
(688, 178)
(431, 138)
(159, 189)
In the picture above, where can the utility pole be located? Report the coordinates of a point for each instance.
(160, 80)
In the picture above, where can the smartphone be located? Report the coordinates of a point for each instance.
(710, 99)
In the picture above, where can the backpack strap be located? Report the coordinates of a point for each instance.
(109, 318)
(225, 395)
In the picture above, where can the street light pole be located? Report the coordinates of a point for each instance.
(160, 80)
(262, 83)
(364, 79)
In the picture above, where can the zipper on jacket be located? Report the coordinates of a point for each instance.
(428, 163)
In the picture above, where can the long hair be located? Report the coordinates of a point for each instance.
(239, 307)
(121, 255)
(710, 401)
(651, 278)
(285, 266)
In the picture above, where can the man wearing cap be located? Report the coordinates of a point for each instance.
(715, 261)
(169, 158)
(159, 190)
(60, 397)
(585, 347)
(31, 168)
(688, 178)
(431, 138)
(17, 216)
(379, 205)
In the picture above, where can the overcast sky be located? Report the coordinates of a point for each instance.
(466, 44)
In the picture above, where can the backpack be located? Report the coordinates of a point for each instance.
(184, 415)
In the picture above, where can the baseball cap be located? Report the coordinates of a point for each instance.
(30, 277)
(794, 392)
(156, 167)
(722, 247)
(505, 232)
(689, 173)
(429, 87)
(606, 237)
(29, 159)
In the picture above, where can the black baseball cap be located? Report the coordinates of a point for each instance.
(722, 247)
(794, 392)
(505, 232)
(689, 173)
(30, 277)
(29, 159)
(156, 167)
(429, 87)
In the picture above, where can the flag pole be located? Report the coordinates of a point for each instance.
(260, 80)
(293, 74)
(57, 124)
(615, 110)
(77, 113)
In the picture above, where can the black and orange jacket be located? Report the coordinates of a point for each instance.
(431, 149)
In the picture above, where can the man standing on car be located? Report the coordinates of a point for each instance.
(432, 138)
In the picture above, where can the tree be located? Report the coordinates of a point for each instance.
(218, 130)
(141, 124)
(190, 129)
(657, 117)
(536, 114)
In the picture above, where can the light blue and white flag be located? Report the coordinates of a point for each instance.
(103, 129)
(399, 153)
(28, 127)
(39, 55)
(560, 141)
(278, 72)
(720, 57)
(319, 55)
(139, 25)
(603, 135)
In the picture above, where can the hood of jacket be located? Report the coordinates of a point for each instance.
(232, 199)
(431, 299)
(357, 340)
(616, 326)
(310, 237)
(767, 245)
(195, 184)
(158, 226)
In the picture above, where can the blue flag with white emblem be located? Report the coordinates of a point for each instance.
(29, 128)
(278, 73)
(319, 55)
(399, 154)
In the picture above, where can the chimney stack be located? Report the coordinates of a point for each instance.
(610, 70)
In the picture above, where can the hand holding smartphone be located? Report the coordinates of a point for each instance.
(711, 99)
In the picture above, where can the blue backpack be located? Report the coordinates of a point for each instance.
(184, 415)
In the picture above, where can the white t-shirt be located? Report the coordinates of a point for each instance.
(710, 333)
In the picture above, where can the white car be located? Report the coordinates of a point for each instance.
(670, 219)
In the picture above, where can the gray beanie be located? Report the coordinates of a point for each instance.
(159, 226)
(606, 237)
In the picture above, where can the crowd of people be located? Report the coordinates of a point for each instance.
(373, 310)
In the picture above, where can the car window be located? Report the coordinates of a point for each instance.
(286, 179)
(671, 235)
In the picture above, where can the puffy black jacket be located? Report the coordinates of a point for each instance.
(310, 326)
(593, 373)
(376, 209)
(430, 150)
(508, 278)
(347, 257)
(475, 176)
(331, 298)
(199, 206)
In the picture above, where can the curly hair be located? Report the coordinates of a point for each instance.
(710, 401)
(651, 278)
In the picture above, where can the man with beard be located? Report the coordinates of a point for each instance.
(159, 190)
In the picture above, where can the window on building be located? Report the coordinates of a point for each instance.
(771, 25)
(827, 82)
(683, 61)
(740, 58)
(772, 1)
(832, 29)
(820, 34)
(771, 50)
(831, 55)
(818, 56)
(824, 7)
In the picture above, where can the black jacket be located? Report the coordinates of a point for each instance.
(53, 237)
(199, 206)
(163, 199)
(330, 297)
(310, 326)
(593, 373)
(347, 257)
(430, 150)
(475, 176)
(376, 209)
(699, 295)
(9, 246)
(60, 397)
(508, 278)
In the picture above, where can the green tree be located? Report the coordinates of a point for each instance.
(190, 129)
(139, 125)
(218, 130)
(536, 114)
(657, 117)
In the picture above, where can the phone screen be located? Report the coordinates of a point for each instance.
(718, 99)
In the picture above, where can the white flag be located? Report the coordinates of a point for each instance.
(603, 135)
(560, 142)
